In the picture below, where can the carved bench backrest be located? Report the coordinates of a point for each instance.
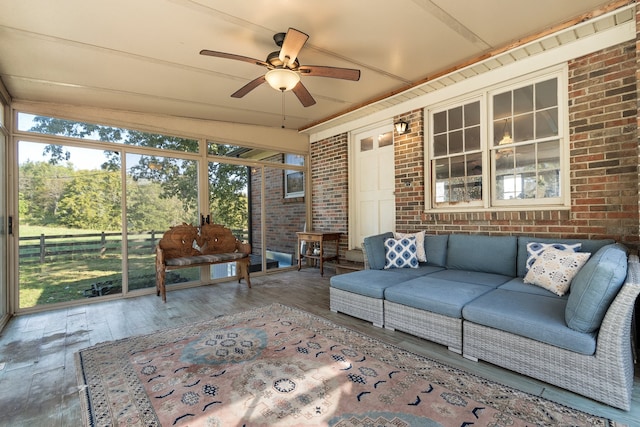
(178, 241)
(210, 239)
(216, 239)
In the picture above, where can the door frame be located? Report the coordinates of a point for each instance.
(384, 125)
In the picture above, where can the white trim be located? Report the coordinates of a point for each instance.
(559, 72)
(548, 58)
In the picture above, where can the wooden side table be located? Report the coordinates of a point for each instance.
(319, 237)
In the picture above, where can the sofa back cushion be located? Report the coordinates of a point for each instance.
(436, 249)
(489, 254)
(590, 246)
(594, 288)
(374, 248)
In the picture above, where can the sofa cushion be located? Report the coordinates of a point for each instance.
(435, 295)
(474, 277)
(435, 247)
(422, 270)
(400, 253)
(535, 249)
(590, 246)
(595, 286)
(374, 247)
(419, 236)
(555, 269)
(537, 317)
(490, 254)
(517, 285)
(370, 283)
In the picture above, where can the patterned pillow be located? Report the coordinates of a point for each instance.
(554, 269)
(420, 251)
(400, 253)
(534, 250)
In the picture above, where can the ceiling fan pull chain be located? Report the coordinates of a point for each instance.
(282, 109)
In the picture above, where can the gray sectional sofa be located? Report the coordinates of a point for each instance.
(470, 295)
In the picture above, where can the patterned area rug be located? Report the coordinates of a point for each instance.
(279, 366)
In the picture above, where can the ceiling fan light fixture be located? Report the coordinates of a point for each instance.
(506, 135)
(282, 79)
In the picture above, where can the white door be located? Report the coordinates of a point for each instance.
(373, 199)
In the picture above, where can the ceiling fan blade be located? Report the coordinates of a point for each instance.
(303, 95)
(333, 72)
(248, 87)
(293, 42)
(232, 56)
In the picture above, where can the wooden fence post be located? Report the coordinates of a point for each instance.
(103, 244)
(42, 249)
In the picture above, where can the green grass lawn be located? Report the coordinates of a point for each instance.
(72, 276)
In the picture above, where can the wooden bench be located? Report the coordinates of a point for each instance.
(185, 246)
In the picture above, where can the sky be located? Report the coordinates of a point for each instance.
(81, 158)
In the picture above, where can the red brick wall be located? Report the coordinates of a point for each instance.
(604, 175)
(329, 179)
(284, 217)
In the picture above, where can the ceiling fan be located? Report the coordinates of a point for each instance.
(285, 69)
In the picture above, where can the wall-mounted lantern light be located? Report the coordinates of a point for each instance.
(402, 127)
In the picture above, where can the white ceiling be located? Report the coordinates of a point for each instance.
(142, 55)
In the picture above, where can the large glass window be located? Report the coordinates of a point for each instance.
(95, 200)
(162, 191)
(70, 224)
(511, 158)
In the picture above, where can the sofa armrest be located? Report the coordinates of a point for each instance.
(366, 259)
(373, 247)
(615, 332)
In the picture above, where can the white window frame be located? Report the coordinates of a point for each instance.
(488, 176)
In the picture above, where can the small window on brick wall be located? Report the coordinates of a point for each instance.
(502, 148)
(294, 179)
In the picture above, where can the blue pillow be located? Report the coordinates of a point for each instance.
(594, 288)
(401, 253)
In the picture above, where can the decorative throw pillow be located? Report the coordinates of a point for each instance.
(400, 253)
(534, 250)
(420, 250)
(554, 269)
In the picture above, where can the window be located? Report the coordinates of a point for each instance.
(294, 179)
(526, 145)
(502, 148)
(457, 155)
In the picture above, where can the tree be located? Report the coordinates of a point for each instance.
(228, 182)
(41, 186)
(144, 213)
(91, 200)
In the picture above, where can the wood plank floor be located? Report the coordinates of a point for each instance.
(38, 384)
